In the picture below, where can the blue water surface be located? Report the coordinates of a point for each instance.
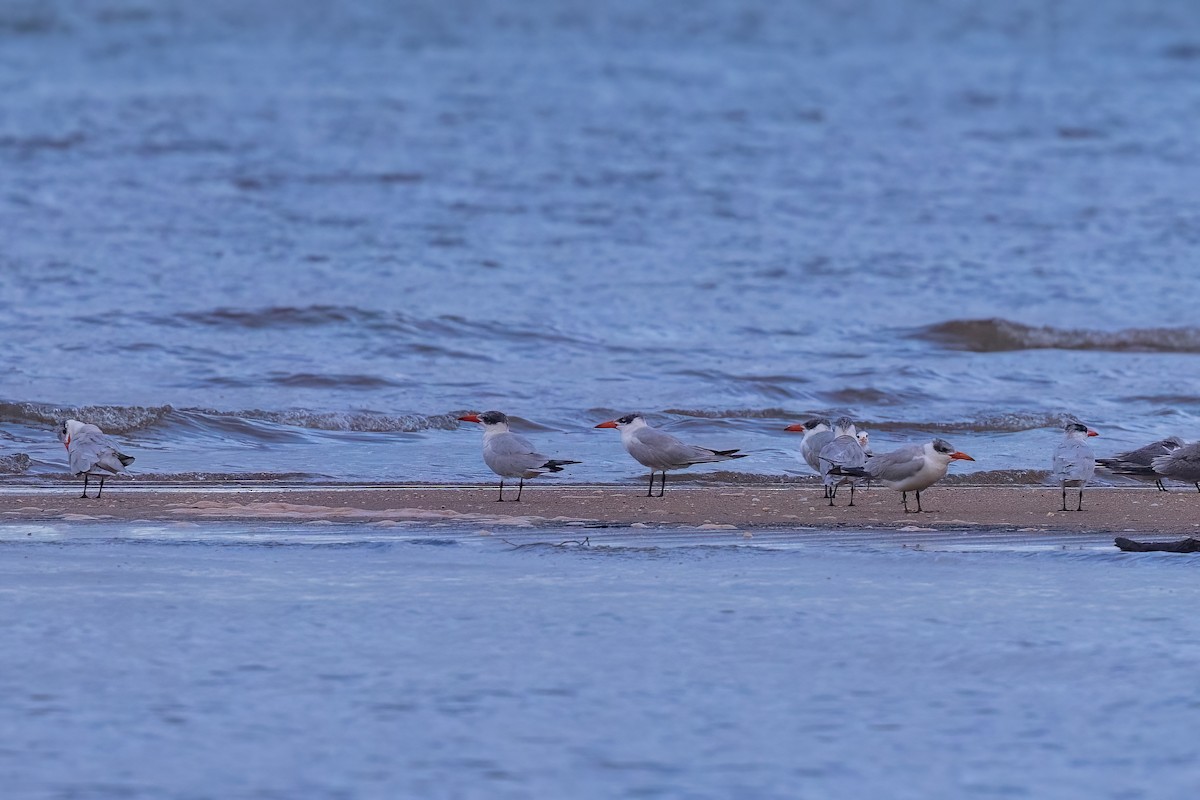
(301, 238)
(331, 661)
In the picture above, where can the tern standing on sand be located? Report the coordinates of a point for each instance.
(912, 468)
(661, 451)
(509, 455)
(845, 453)
(1182, 464)
(1074, 462)
(817, 433)
(1140, 463)
(90, 452)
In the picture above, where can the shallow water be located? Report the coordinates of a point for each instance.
(281, 241)
(342, 661)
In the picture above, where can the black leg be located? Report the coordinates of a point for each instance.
(1080, 506)
(831, 492)
(85, 481)
(1064, 508)
(650, 491)
(663, 487)
(1158, 482)
(520, 487)
(500, 499)
(904, 499)
(1198, 487)
(851, 494)
(101, 487)
(919, 509)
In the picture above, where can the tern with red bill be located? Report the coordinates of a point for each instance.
(510, 455)
(817, 433)
(91, 453)
(661, 451)
(1074, 462)
(912, 468)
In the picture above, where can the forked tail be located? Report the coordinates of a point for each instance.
(556, 465)
(1122, 467)
(853, 472)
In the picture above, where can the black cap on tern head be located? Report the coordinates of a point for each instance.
(493, 418)
(628, 418)
(942, 446)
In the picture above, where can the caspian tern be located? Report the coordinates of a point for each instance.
(1140, 463)
(1074, 462)
(661, 451)
(845, 453)
(1182, 464)
(912, 468)
(817, 433)
(510, 455)
(90, 452)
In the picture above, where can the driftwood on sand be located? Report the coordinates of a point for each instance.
(1188, 545)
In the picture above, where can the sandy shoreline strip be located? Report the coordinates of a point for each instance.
(1035, 509)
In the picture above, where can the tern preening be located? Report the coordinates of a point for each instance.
(510, 455)
(661, 451)
(1074, 462)
(1140, 463)
(90, 452)
(1181, 464)
(912, 468)
(843, 453)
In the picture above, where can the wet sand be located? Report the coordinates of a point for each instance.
(1019, 508)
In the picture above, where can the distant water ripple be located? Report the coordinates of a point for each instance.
(997, 335)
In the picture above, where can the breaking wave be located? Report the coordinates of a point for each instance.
(732, 413)
(1001, 335)
(357, 421)
(113, 419)
(14, 464)
(983, 423)
(125, 419)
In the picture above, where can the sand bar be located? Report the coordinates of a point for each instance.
(1031, 508)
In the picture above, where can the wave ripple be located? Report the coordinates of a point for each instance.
(1000, 335)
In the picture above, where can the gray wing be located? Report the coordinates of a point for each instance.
(658, 450)
(898, 465)
(92, 451)
(1182, 465)
(844, 451)
(511, 455)
(1143, 456)
(1073, 461)
(811, 450)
